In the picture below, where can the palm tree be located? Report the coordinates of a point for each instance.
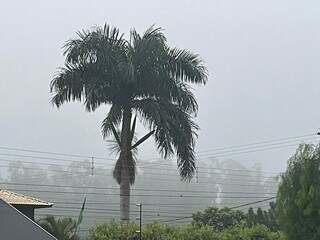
(142, 77)
(62, 229)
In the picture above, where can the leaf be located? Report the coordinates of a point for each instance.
(115, 133)
(142, 139)
(133, 127)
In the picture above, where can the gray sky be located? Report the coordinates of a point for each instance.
(263, 59)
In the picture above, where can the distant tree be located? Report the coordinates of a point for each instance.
(260, 216)
(263, 217)
(272, 218)
(62, 228)
(298, 197)
(219, 219)
(142, 76)
(251, 218)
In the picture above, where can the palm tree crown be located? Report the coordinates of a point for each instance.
(142, 77)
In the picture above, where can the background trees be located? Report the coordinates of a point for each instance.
(263, 217)
(298, 198)
(219, 219)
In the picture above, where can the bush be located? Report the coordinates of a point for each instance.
(157, 231)
(114, 231)
(196, 233)
(219, 219)
(258, 232)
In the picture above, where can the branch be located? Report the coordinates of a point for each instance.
(142, 139)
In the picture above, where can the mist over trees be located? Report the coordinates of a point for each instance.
(158, 187)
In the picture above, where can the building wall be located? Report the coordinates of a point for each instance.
(16, 226)
(26, 210)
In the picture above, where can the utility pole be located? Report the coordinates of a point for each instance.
(140, 220)
(92, 165)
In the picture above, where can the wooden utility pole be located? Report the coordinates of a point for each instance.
(140, 220)
(92, 165)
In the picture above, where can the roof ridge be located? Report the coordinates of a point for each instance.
(39, 201)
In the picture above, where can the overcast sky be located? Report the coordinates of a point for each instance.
(262, 56)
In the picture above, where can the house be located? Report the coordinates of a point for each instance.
(16, 226)
(24, 204)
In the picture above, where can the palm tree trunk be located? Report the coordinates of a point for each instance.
(125, 176)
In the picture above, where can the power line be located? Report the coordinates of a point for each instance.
(255, 183)
(250, 151)
(98, 173)
(133, 195)
(251, 203)
(104, 210)
(235, 207)
(206, 168)
(264, 142)
(101, 169)
(103, 158)
(46, 152)
(87, 161)
(134, 189)
(231, 153)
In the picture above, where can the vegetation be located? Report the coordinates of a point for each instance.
(263, 217)
(142, 77)
(219, 219)
(298, 198)
(62, 229)
(224, 218)
(157, 231)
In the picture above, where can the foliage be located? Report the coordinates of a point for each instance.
(219, 219)
(196, 233)
(157, 231)
(298, 197)
(114, 231)
(258, 232)
(62, 228)
(263, 217)
(143, 76)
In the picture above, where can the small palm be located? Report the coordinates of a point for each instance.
(62, 229)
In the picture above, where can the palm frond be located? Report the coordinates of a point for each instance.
(68, 84)
(100, 42)
(61, 228)
(175, 131)
(176, 92)
(81, 83)
(93, 70)
(112, 120)
(162, 72)
(133, 128)
(187, 66)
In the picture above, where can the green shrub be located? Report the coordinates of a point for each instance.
(157, 231)
(114, 231)
(219, 218)
(258, 232)
(196, 233)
